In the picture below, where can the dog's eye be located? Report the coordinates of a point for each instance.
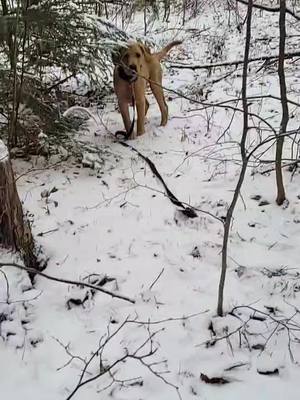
(138, 55)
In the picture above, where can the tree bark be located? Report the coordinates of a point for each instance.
(285, 111)
(15, 231)
(13, 116)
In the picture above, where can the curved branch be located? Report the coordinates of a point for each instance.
(68, 281)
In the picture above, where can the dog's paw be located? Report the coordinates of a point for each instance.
(133, 136)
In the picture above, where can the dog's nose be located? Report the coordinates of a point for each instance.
(133, 67)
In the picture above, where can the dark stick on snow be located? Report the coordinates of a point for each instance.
(187, 211)
(68, 281)
(156, 279)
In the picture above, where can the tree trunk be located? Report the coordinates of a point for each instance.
(4, 7)
(13, 116)
(15, 231)
(245, 159)
(285, 111)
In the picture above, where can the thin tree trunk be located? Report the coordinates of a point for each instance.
(245, 159)
(5, 12)
(145, 17)
(12, 132)
(15, 232)
(284, 104)
(20, 86)
(4, 7)
(183, 11)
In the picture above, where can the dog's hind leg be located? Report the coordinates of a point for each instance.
(160, 98)
(157, 90)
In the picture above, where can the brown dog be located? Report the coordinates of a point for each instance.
(134, 69)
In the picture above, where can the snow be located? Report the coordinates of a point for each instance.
(3, 152)
(115, 221)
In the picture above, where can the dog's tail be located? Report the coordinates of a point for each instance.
(162, 54)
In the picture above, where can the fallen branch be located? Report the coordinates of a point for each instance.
(295, 162)
(67, 281)
(235, 62)
(187, 211)
(142, 354)
(170, 319)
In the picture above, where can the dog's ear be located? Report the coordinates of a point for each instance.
(145, 49)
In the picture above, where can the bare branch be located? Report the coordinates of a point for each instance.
(134, 354)
(68, 281)
(270, 9)
(232, 63)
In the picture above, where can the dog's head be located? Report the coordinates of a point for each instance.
(131, 60)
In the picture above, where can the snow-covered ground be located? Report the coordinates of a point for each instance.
(116, 222)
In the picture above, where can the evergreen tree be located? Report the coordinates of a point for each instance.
(42, 44)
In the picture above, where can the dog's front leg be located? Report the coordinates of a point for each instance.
(140, 107)
(124, 110)
(139, 95)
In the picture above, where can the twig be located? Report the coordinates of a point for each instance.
(171, 319)
(154, 282)
(23, 300)
(125, 192)
(103, 370)
(48, 89)
(67, 350)
(46, 232)
(7, 287)
(38, 169)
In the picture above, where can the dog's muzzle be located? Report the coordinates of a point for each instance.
(128, 74)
